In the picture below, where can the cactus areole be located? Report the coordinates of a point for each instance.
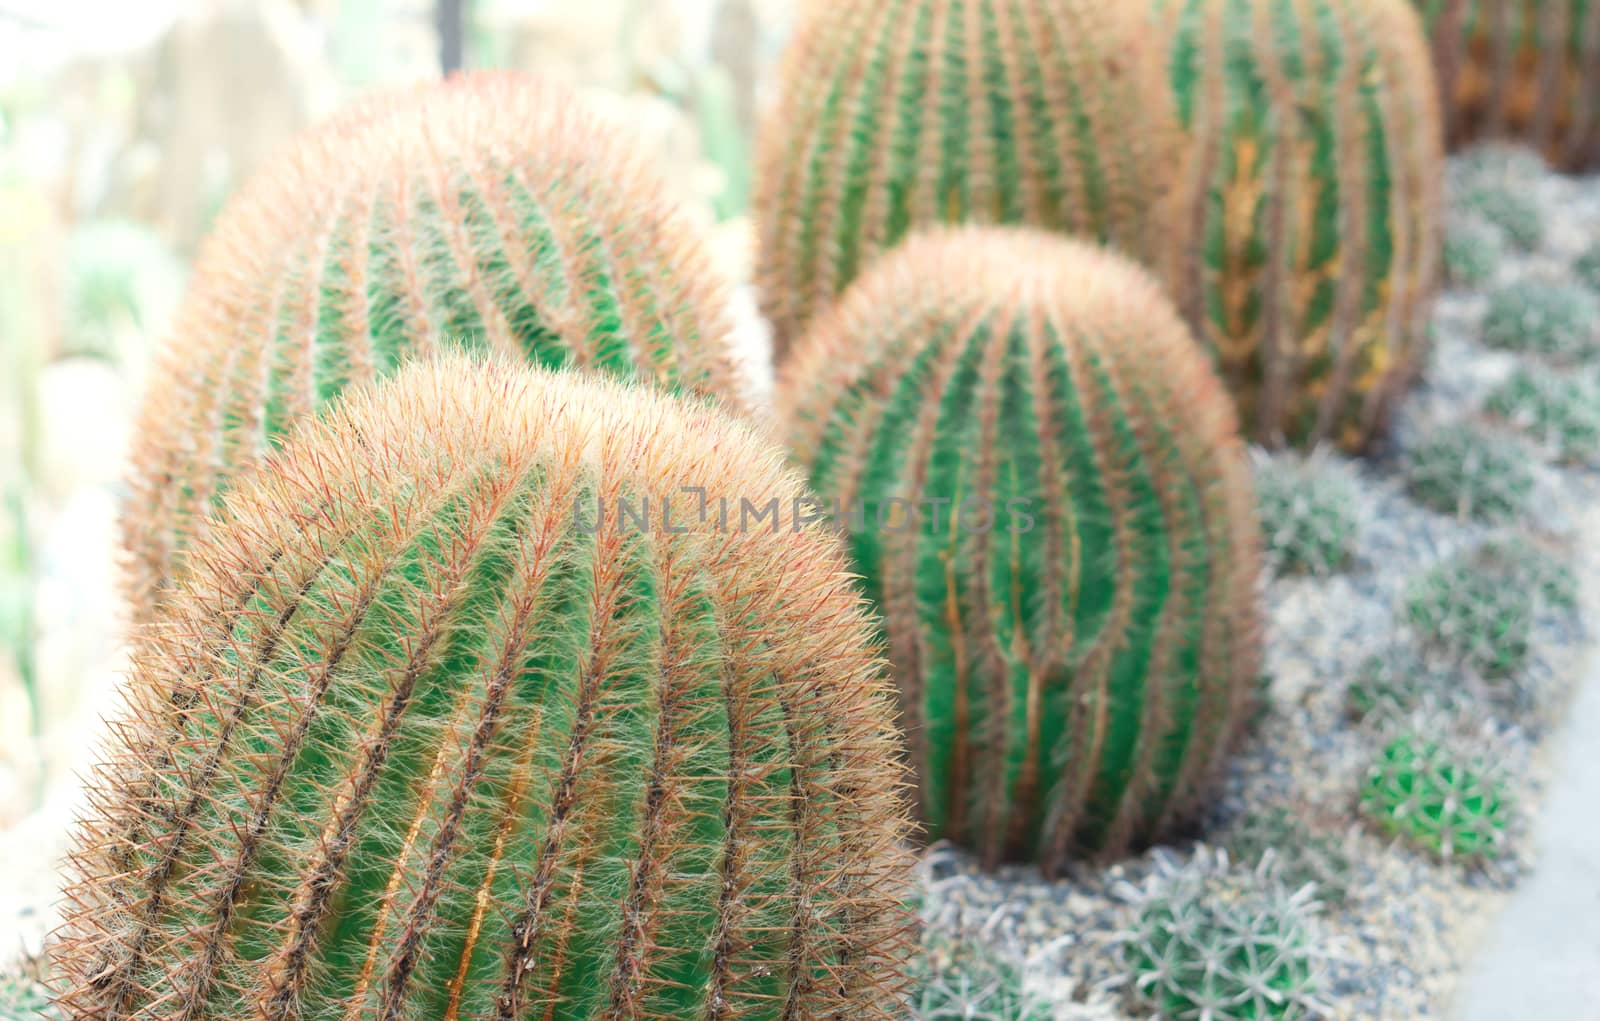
(1068, 568)
(423, 736)
(487, 212)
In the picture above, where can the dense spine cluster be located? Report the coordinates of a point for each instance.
(1070, 609)
(431, 731)
(1527, 69)
(486, 211)
(1313, 189)
(900, 113)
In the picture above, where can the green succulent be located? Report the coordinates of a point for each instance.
(1473, 250)
(1396, 681)
(1436, 798)
(1497, 163)
(1309, 522)
(960, 979)
(1210, 943)
(23, 996)
(1522, 563)
(1543, 317)
(1587, 267)
(1517, 216)
(1558, 412)
(1473, 617)
(1470, 472)
(1303, 854)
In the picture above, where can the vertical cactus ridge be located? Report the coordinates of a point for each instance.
(430, 730)
(487, 211)
(1072, 675)
(899, 113)
(1313, 186)
(1525, 69)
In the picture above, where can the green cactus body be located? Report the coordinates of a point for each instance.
(434, 729)
(1526, 69)
(1426, 793)
(896, 114)
(1070, 611)
(486, 212)
(1313, 186)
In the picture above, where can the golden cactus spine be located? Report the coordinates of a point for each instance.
(1070, 610)
(1313, 186)
(487, 211)
(431, 731)
(900, 113)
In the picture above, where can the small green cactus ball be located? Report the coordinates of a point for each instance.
(1474, 616)
(1214, 944)
(1300, 852)
(1470, 472)
(1587, 267)
(1309, 520)
(1473, 251)
(1439, 800)
(1394, 682)
(1555, 320)
(1517, 216)
(1558, 412)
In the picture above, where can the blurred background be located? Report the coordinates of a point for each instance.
(123, 127)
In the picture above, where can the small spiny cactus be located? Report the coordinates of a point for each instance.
(1309, 518)
(438, 726)
(1473, 252)
(1552, 319)
(487, 211)
(1313, 184)
(1516, 215)
(899, 114)
(1300, 853)
(1471, 473)
(1057, 524)
(1474, 616)
(1430, 794)
(1587, 267)
(1527, 69)
(1210, 943)
(1558, 413)
(1397, 681)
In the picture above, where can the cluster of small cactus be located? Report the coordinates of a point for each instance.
(487, 211)
(1214, 943)
(1313, 186)
(1470, 472)
(1423, 790)
(898, 114)
(437, 729)
(1310, 523)
(1059, 532)
(1527, 69)
(1473, 251)
(1555, 320)
(1559, 413)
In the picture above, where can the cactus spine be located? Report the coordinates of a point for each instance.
(1313, 185)
(486, 211)
(1527, 69)
(431, 733)
(1071, 615)
(900, 113)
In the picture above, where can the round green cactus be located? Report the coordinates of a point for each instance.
(1399, 680)
(1552, 319)
(1470, 472)
(1477, 618)
(1559, 413)
(1309, 520)
(454, 716)
(1420, 790)
(1209, 944)
(1473, 252)
(1314, 177)
(1517, 216)
(486, 211)
(899, 114)
(1053, 511)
